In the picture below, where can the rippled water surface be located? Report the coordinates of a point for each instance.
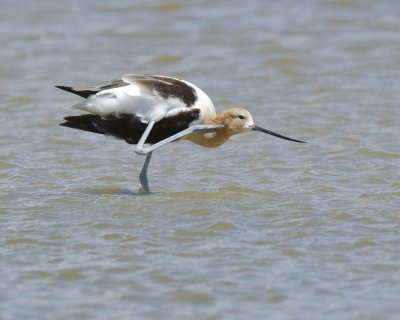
(259, 228)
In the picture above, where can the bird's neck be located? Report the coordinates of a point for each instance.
(212, 139)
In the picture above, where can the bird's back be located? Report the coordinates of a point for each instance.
(124, 107)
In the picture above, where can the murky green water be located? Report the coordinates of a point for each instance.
(260, 228)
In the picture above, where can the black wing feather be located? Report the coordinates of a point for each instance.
(86, 92)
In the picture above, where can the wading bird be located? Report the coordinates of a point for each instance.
(156, 110)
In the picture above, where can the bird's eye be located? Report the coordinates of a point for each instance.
(240, 116)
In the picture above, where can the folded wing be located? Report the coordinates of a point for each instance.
(146, 97)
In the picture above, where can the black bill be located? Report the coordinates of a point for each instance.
(257, 128)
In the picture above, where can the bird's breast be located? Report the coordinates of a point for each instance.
(209, 139)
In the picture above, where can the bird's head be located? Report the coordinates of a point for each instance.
(238, 120)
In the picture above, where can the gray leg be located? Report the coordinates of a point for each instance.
(143, 173)
(140, 149)
(140, 145)
(199, 128)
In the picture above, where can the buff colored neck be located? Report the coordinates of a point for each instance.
(217, 138)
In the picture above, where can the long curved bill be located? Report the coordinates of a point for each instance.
(257, 128)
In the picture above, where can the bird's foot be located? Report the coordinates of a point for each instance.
(206, 128)
(143, 191)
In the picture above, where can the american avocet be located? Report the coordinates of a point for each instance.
(156, 110)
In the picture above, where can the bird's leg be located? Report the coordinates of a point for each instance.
(139, 147)
(198, 128)
(143, 174)
(149, 150)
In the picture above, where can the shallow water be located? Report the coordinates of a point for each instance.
(259, 228)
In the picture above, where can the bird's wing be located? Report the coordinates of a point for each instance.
(148, 97)
(165, 87)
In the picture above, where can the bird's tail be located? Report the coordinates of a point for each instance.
(85, 122)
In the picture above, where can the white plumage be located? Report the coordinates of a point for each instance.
(145, 102)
